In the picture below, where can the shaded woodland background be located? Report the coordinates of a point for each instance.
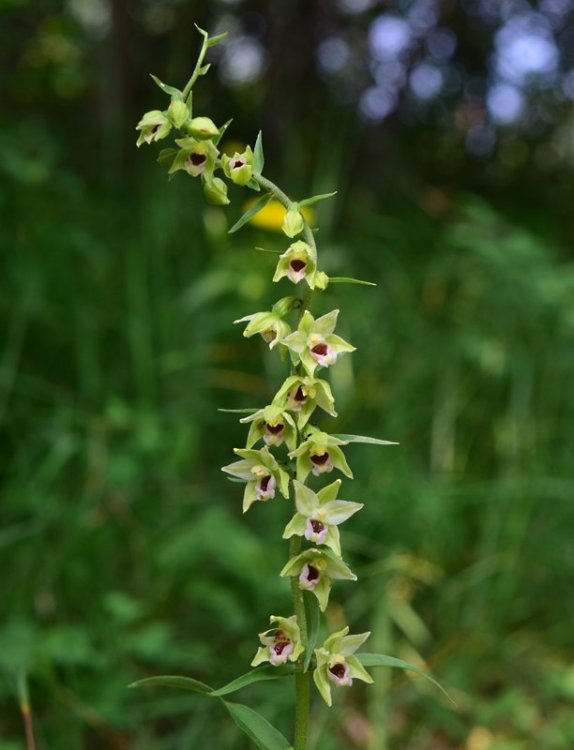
(448, 130)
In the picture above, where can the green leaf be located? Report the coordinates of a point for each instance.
(189, 102)
(258, 158)
(166, 155)
(250, 213)
(254, 185)
(260, 674)
(213, 40)
(173, 681)
(257, 728)
(381, 660)
(349, 280)
(222, 130)
(238, 411)
(203, 32)
(313, 616)
(266, 250)
(204, 69)
(316, 199)
(173, 92)
(364, 439)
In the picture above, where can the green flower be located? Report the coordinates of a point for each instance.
(320, 453)
(315, 343)
(215, 191)
(274, 425)
(195, 157)
(297, 262)
(293, 223)
(336, 664)
(271, 326)
(281, 643)
(154, 126)
(178, 113)
(239, 167)
(316, 570)
(303, 395)
(202, 128)
(261, 472)
(319, 514)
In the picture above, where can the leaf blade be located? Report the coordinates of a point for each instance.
(171, 90)
(174, 681)
(258, 157)
(257, 728)
(349, 280)
(382, 660)
(316, 198)
(260, 674)
(364, 439)
(250, 213)
(313, 616)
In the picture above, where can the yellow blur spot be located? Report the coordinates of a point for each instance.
(271, 215)
(479, 739)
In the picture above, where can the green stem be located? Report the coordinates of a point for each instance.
(195, 74)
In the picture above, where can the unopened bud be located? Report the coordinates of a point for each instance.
(293, 223)
(215, 191)
(177, 112)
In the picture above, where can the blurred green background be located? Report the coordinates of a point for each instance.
(448, 130)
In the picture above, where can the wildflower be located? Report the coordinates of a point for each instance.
(316, 569)
(195, 157)
(274, 425)
(281, 643)
(239, 167)
(336, 664)
(320, 453)
(319, 514)
(270, 325)
(154, 126)
(315, 343)
(303, 394)
(261, 472)
(293, 222)
(297, 262)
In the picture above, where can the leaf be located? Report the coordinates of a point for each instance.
(173, 92)
(166, 155)
(257, 728)
(213, 40)
(260, 674)
(316, 199)
(258, 158)
(381, 660)
(222, 130)
(204, 69)
(349, 280)
(313, 623)
(266, 250)
(238, 411)
(364, 439)
(254, 185)
(174, 681)
(250, 213)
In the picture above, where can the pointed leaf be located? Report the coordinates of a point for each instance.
(313, 616)
(257, 728)
(238, 411)
(222, 130)
(173, 92)
(364, 439)
(258, 158)
(261, 674)
(166, 155)
(382, 660)
(266, 250)
(213, 40)
(250, 213)
(254, 185)
(316, 199)
(349, 280)
(204, 69)
(174, 681)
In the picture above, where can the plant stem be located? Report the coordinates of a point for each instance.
(25, 711)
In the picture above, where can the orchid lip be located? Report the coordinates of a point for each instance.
(265, 489)
(321, 463)
(269, 335)
(197, 159)
(310, 577)
(297, 399)
(339, 675)
(316, 531)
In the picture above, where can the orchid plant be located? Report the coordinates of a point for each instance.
(283, 447)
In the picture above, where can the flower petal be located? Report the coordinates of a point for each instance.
(306, 500)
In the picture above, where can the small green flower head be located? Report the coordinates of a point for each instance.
(195, 157)
(154, 126)
(337, 665)
(315, 343)
(261, 472)
(202, 128)
(239, 167)
(320, 453)
(271, 327)
(274, 425)
(178, 113)
(215, 191)
(316, 569)
(297, 262)
(319, 514)
(293, 222)
(281, 643)
(303, 395)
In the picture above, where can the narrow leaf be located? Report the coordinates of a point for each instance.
(254, 185)
(364, 439)
(266, 250)
(174, 681)
(203, 32)
(349, 280)
(222, 130)
(258, 158)
(204, 69)
(316, 199)
(257, 728)
(173, 92)
(381, 660)
(213, 40)
(255, 675)
(313, 616)
(250, 213)
(166, 155)
(238, 411)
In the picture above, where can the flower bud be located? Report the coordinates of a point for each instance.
(321, 280)
(154, 126)
(215, 191)
(178, 113)
(293, 222)
(202, 128)
(239, 167)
